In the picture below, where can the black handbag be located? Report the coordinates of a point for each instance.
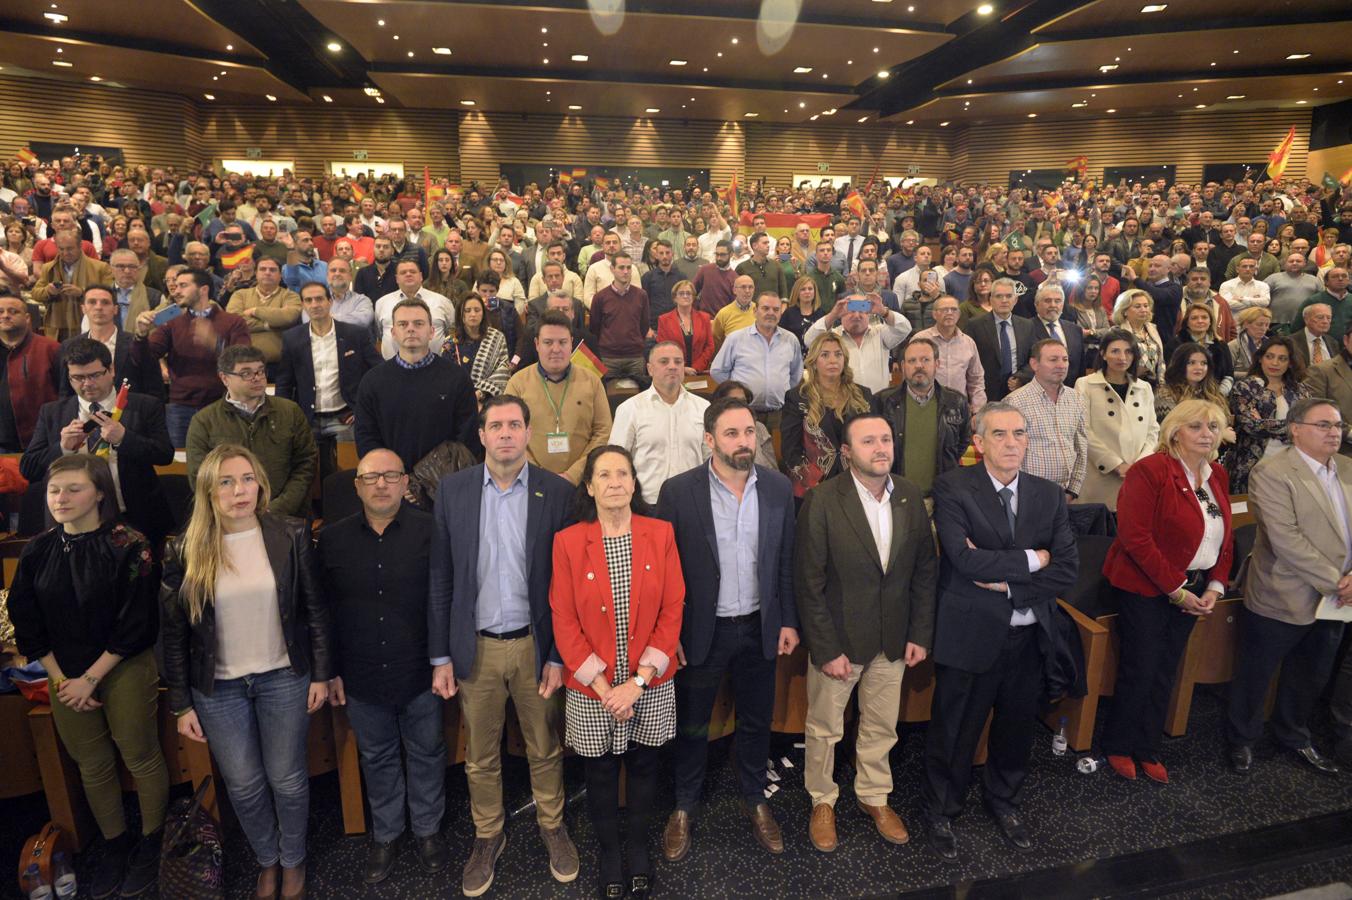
(191, 866)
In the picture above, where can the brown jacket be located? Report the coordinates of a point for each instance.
(61, 316)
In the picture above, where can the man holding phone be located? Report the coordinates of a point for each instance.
(869, 344)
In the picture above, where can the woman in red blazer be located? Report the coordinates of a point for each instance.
(1169, 566)
(689, 327)
(617, 595)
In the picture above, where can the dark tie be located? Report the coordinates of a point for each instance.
(93, 440)
(849, 255)
(1007, 501)
(1006, 350)
(1053, 333)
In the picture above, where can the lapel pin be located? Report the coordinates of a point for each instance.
(539, 493)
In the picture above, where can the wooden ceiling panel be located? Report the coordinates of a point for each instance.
(171, 21)
(1188, 15)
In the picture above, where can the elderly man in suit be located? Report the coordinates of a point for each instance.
(1050, 303)
(1003, 341)
(134, 443)
(734, 531)
(864, 584)
(1301, 497)
(61, 283)
(1312, 341)
(1332, 379)
(1008, 551)
(133, 295)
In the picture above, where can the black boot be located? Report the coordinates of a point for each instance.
(112, 866)
(143, 870)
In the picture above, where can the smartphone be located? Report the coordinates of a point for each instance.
(168, 314)
(862, 306)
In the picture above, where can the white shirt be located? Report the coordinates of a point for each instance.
(842, 246)
(1024, 616)
(870, 361)
(599, 277)
(249, 639)
(443, 319)
(665, 439)
(708, 243)
(1327, 476)
(1241, 296)
(324, 353)
(908, 282)
(1213, 533)
(105, 405)
(1310, 341)
(571, 283)
(879, 516)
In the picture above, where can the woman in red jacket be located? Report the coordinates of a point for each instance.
(617, 595)
(1169, 566)
(689, 327)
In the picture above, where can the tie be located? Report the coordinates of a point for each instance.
(1053, 333)
(93, 440)
(1318, 354)
(849, 256)
(1006, 350)
(1007, 501)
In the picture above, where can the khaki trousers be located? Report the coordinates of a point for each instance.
(879, 684)
(504, 669)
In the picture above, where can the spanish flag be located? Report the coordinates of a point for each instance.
(1346, 177)
(854, 202)
(358, 192)
(565, 178)
(231, 258)
(1278, 158)
(579, 173)
(27, 157)
(586, 359)
(732, 196)
(104, 449)
(1080, 165)
(601, 182)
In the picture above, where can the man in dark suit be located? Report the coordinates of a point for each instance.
(134, 442)
(734, 530)
(864, 584)
(1008, 551)
(1050, 303)
(1003, 341)
(100, 317)
(494, 640)
(322, 365)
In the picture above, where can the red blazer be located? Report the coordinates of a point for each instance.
(584, 616)
(1160, 525)
(702, 339)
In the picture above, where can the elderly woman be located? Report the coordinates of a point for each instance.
(1134, 311)
(1120, 417)
(1260, 403)
(1253, 324)
(1168, 566)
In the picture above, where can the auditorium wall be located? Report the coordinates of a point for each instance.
(778, 152)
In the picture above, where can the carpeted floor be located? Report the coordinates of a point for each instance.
(1075, 818)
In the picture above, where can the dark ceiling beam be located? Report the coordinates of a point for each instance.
(1088, 82)
(637, 79)
(129, 43)
(1148, 26)
(293, 41)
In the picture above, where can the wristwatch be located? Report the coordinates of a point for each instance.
(640, 681)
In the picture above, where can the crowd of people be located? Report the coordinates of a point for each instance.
(1146, 349)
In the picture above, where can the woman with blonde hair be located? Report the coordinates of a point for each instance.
(802, 308)
(247, 655)
(1134, 311)
(815, 413)
(1253, 324)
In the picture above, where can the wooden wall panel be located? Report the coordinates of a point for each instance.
(1188, 141)
(1334, 160)
(314, 137)
(778, 152)
(489, 139)
(149, 127)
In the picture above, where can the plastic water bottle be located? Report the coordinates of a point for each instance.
(33, 886)
(66, 885)
(1059, 743)
(1088, 765)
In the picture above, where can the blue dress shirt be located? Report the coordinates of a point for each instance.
(737, 533)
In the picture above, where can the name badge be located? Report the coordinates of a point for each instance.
(556, 442)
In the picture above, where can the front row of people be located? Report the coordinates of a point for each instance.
(536, 586)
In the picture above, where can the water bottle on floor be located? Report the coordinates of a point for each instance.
(34, 887)
(1088, 765)
(1059, 743)
(66, 886)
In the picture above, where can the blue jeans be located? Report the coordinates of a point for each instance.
(177, 417)
(257, 728)
(379, 728)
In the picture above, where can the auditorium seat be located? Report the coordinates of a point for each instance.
(340, 495)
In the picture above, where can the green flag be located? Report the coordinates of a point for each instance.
(1330, 182)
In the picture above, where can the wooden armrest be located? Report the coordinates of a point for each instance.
(1083, 622)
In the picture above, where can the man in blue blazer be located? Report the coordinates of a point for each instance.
(491, 633)
(1008, 553)
(734, 531)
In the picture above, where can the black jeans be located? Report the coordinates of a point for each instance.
(1305, 654)
(603, 806)
(736, 648)
(1154, 633)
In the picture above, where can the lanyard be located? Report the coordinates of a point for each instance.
(558, 407)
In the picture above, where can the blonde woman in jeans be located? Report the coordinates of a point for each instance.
(83, 602)
(247, 655)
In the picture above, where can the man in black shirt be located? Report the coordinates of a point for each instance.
(374, 566)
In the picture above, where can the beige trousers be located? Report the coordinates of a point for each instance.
(879, 684)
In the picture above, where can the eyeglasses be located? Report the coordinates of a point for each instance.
(249, 374)
(1325, 427)
(88, 378)
(370, 478)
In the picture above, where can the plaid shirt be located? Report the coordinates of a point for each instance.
(1058, 439)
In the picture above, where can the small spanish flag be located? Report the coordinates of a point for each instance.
(103, 448)
(854, 202)
(1279, 157)
(358, 192)
(602, 183)
(231, 258)
(586, 359)
(1346, 177)
(732, 197)
(565, 178)
(579, 173)
(27, 157)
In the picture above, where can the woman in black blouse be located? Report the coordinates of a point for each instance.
(84, 603)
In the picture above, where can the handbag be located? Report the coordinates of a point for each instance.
(191, 860)
(40, 849)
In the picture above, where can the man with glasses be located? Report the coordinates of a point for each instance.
(1296, 568)
(373, 566)
(275, 429)
(131, 295)
(82, 422)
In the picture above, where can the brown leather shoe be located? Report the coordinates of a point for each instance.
(765, 828)
(293, 883)
(676, 836)
(889, 823)
(822, 828)
(269, 880)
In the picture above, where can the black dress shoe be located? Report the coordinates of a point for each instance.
(641, 886)
(380, 860)
(1241, 760)
(1317, 761)
(942, 840)
(432, 853)
(1014, 830)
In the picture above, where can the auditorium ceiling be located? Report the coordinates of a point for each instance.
(955, 61)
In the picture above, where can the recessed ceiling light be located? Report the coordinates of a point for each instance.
(59, 50)
(750, 115)
(812, 118)
(380, 100)
(57, 18)
(1112, 110)
(829, 112)
(371, 92)
(720, 54)
(1200, 106)
(863, 119)
(1032, 115)
(1213, 64)
(734, 40)
(876, 49)
(1105, 69)
(210, 96)
(327, 99)
(466, 102)
(1154, 7)
(943, 124)
(223, 72)
(652, 109)
(63, 64)
(215, 78)
(574, 107)
(985, 9)
(230, 46)
(678, 62)
(910, 121)
(802, 70)
(849, 62)
(271, 98)
(442, 51)
(544, 31)
(95, 78)
(1298, 56)
(410, 53)
(883, 73)
(1316, 89)
(545, 61)
(396, 37)
(1301, 102)
(334, 46)
(580, 57)
(706, 68)
(969, 81)
(380, 22)
(824, 75)
(1078, 105)
(1236, 97)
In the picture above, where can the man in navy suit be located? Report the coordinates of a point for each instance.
(323, 361)
(134, 444)
(1008, 552)
(1050, 304)
(491, 633)
(1003, 341)
(734, 531)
